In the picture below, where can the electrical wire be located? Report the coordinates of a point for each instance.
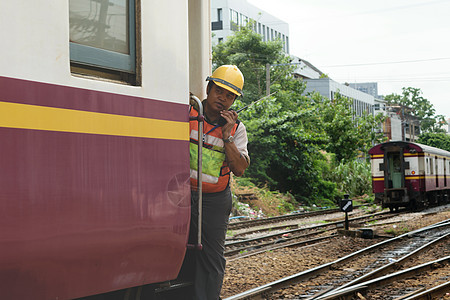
(387, 63)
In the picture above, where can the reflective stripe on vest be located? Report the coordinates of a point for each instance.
(215, 171)
(213, 156)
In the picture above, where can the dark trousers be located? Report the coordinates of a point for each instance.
(210, 262)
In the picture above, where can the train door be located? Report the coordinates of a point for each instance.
(395, 193)
(395, 170)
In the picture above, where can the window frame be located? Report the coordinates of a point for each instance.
(106, 59)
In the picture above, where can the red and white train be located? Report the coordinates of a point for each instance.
(409, 175)
(94, 154)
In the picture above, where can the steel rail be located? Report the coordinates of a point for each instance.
(433, 293)
(263, 244)
(384, 215)
(389, 267)
(301, 276)
(251, 223)
(308, 243)
(280, 234)
(383, 280)
(273, 246)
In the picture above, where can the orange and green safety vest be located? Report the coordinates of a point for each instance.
(215, 171)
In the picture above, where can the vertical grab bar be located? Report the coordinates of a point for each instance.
(200, 119)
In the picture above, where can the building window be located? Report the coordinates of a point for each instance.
(219, 14)
(220, 40)
(235, 17)
(234, 20)
(245, 21)
(102, 34)
(264, 33)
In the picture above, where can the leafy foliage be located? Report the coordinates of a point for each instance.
(347, 135)
(291, 133)
(438, 140)
(247, 50)
(354, 177)
(413, 103)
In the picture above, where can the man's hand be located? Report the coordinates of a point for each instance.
(230, 116)
(236, 162)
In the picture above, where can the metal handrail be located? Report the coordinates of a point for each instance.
(200, 119)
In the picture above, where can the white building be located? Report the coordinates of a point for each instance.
(304, 69)
(370, 88)
(328, 88)
(228, 15)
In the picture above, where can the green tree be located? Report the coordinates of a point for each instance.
(285, 153)
(439, 140)
(347, 133)
(246, 50)
(413, 103)
(290, 133)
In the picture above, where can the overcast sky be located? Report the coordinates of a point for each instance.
(397, 43)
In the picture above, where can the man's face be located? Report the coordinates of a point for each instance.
(219, 98)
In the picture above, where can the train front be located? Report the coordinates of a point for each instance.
(395, 174)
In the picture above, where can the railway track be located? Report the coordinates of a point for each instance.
(279, 236)
(271, 220)
(365, 271)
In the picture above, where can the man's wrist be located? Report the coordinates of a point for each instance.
(229, 139)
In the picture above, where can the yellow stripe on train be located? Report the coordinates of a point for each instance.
(406, 177)
(404, 154)
(24, 116)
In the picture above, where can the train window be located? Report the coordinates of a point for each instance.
(102, 37)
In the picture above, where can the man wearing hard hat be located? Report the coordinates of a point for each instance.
(224, 151)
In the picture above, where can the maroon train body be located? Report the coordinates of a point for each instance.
(84, 213)
(94, 153)
(409, 175)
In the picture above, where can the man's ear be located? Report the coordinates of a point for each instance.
(208, 87)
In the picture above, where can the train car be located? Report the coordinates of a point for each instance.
(94, 130)
(409, 175)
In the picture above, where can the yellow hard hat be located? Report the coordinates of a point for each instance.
(228, 77)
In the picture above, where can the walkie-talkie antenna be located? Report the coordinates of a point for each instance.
(247, 106)
(222, 120)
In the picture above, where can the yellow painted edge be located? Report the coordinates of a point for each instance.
(24, 116)
(404, 154)
(414, 177)
(410, 177)
(412, 154)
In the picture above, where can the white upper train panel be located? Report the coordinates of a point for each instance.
(35, 37)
